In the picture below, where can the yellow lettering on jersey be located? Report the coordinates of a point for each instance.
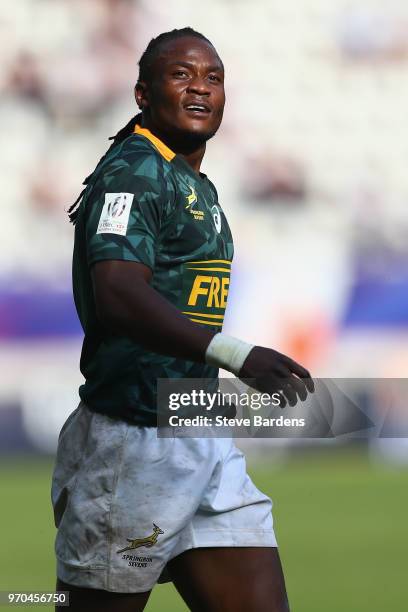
(197, 288)
(224, 291)
(213, 292)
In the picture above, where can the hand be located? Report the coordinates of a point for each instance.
(274, 372)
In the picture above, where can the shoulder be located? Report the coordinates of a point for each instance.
(212, 188)
(142, 158)
(136, 164)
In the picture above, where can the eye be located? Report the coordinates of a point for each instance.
(180, 73)
(214, 77)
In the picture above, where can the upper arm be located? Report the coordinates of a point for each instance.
(124, 215)
(111, 278)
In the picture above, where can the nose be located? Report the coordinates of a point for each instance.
(199, 85)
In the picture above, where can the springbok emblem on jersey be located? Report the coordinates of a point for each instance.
(192, 198)
(149, 541)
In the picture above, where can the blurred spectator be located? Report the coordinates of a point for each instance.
(25, 78)
(373, 34)
(273, 177)
(48, 188)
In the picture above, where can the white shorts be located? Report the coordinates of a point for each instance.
(126, 502)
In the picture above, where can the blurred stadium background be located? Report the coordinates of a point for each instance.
(311, 168)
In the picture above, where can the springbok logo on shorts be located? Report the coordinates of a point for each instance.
(149, 541)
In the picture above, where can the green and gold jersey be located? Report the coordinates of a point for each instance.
(146, 204)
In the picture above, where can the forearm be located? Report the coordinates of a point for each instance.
(141, 313)
(128, 305)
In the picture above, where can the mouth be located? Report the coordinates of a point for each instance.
(198, 109)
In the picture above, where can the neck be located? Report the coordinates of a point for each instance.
(193, 153)
(194, 158)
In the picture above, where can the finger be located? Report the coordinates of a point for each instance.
(273, 386)
(282, 400)
(310, 386)
(300, 387)
(283, 380)
(296, 368)
(300, 372)
(289, 393)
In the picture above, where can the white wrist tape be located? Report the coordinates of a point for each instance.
(227, 352)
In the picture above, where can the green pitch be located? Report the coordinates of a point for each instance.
(341, 523)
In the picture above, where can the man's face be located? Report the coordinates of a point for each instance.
(185, 98)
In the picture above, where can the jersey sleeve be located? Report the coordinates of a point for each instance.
(124, 216)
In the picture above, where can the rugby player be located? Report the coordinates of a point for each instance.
(151, 267)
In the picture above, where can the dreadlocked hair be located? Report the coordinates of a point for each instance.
(145, 74)
(123, 133)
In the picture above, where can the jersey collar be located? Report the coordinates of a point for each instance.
(163, 149)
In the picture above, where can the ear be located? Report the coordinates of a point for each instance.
(141, 95)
